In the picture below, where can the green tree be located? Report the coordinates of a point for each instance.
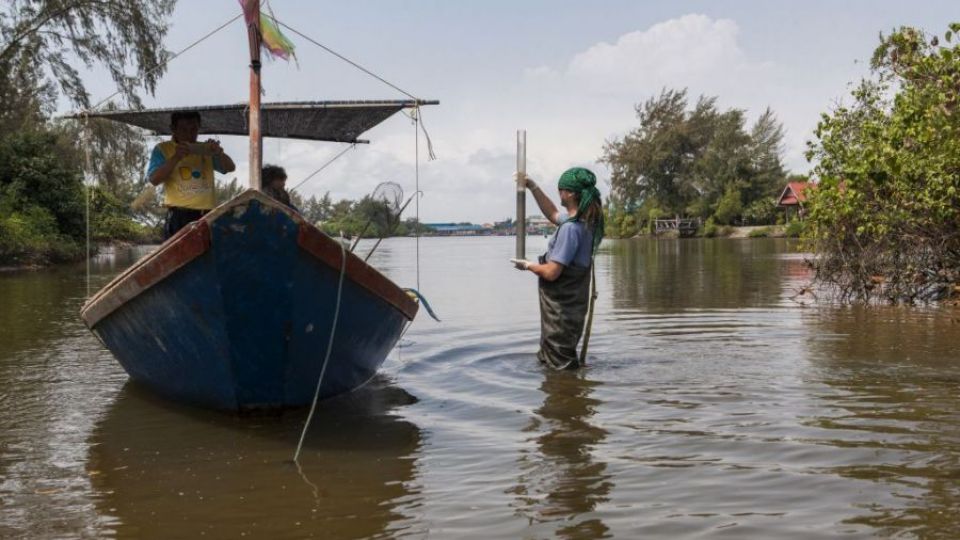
(697, 161)
(729, 207)
(123, 36)
(41, 199)
(317, 210)
(42, 162)
(37, 168)
(885, 218)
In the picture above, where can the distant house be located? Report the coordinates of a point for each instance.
(793, 199)
(539, 225)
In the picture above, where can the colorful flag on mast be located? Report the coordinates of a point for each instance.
(271, 38)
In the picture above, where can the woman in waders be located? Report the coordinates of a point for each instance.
(564, 270)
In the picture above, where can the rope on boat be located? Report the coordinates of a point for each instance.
(415, 115)
(324, 166)
(171, 59)
(326, 358)
(87, 180)
(423, 301)
(416, 179)
(347, 60)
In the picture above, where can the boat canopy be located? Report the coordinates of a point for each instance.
(335, 121)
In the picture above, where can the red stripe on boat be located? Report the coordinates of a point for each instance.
(329, 251)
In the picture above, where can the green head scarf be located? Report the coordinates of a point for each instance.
(584, 183)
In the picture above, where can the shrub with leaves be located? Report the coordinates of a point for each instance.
(885, 219)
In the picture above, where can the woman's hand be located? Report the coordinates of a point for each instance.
(521, 264)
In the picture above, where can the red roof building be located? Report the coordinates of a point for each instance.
(794, 196)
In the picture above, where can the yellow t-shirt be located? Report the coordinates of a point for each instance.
(191, 184)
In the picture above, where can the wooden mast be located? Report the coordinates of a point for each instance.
(256, 142)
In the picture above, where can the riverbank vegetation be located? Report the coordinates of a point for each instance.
(885, 219)
(694, 161)
(43, 162)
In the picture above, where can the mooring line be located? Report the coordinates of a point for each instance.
(326, 358)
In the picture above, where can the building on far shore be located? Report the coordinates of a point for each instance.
(539, 225)
(535, 225)
(793, 198)
(458, 229)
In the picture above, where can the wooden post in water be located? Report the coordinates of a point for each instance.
(256, 141)
(521, 224)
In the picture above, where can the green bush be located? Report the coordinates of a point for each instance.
(729, 207)
(628, 227)
(710, 229)
(794, 229)
(762, 232)
(111, 220)
(888, 201)
(760, 212)
(30, 236)
(653, 214)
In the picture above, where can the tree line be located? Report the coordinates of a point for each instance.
(696, 161)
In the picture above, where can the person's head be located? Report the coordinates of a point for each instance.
(185, 126)
(578, 190)
(273, 176)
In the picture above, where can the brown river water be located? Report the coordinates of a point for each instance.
(714, 406)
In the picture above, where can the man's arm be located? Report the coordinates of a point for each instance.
(161, 168)
(547, 207)
(221, 161)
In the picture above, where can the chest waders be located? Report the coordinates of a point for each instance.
(565, 304)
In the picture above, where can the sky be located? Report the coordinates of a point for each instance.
(568, 72)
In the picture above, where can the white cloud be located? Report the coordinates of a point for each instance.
(569, 111)
(692, 50)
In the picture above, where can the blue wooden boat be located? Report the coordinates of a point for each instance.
(235, 311)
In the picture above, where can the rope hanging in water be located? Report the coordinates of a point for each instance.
(87, 180)
(326, 358)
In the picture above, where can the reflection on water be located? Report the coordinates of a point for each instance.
(203, 473)
(892, 394)
(560, 481)
(714, 406)
(667, 275)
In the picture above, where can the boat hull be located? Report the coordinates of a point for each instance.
(236, 312)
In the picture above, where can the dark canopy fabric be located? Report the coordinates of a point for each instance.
(337, 121)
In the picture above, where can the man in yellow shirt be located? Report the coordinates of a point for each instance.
(185, 168)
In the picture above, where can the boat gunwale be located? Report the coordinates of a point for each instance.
(309, 239)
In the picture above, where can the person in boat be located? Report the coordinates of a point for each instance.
(274, 180)
(185, 168)
(564, 270)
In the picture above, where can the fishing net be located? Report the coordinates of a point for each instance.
(380, 211)
(387, 198)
